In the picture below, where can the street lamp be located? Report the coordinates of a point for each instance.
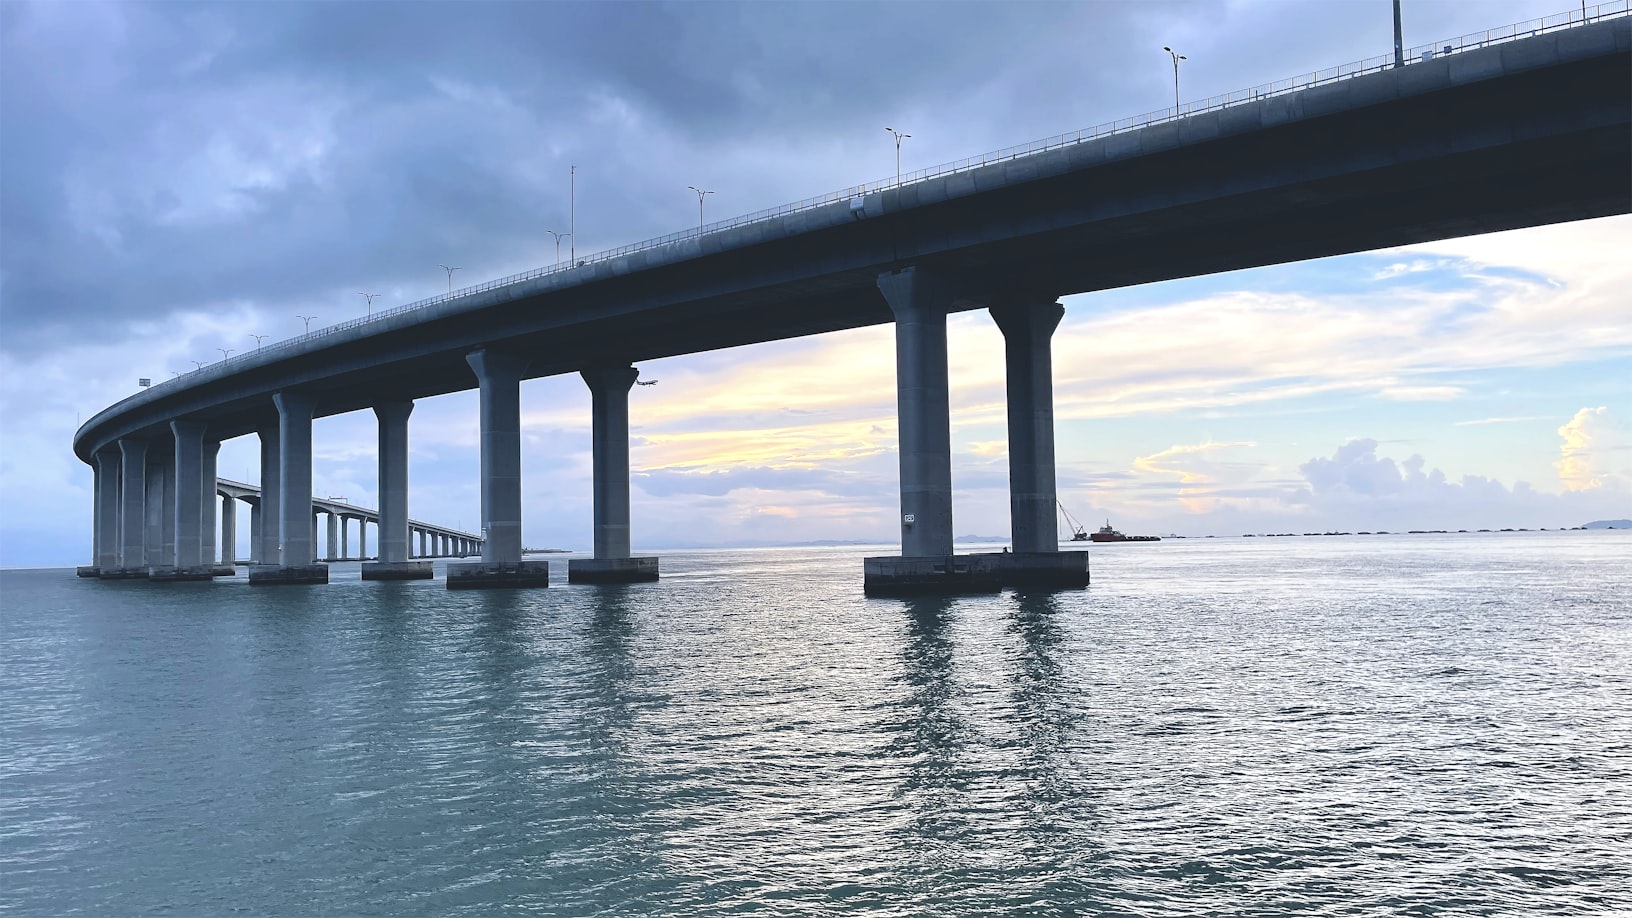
(226, 352)
(450, 271)
(700, 194)
(898, 138)
(199, 364)
(307, 320)
(370, 298)
(258, 339)
(558, 238)
(1176, 58)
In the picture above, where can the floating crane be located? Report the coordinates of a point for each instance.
(1078, 532)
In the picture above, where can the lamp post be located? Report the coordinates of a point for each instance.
(700, 195)
(1176, 58)
(258, 339)
(199, 364)
(558, 238)
(370, 298)
(226, 352)
(307, 320)
(572, 213)
(450, 271)
(898, 138)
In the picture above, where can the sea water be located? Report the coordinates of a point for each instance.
(1377, 725)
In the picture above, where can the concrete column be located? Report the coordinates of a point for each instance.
(500, 378)
(107, 510)
(362, 537)
(256, 521)
(334, 537)
(188, 520)
(920, 303)
(154, 511)
(297, 533)
(392, 418)
(132, 505)
(212, 453)
(1028, 360)
(229, 530)
(271, 506)
(345, 538)
(609, 399)
(314, 536)
(168, 521)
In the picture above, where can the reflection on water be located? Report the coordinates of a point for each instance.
(1370, 729)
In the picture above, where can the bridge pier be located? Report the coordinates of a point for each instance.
(229, 531)
(132, 561)
(499, 376)
(184, 513)
(223, 568)
(296, 524)
(920, 302)
(1036, 561)
(107, 512)
(266, 533)
(609, 399)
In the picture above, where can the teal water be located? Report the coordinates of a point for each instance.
(1403, 725)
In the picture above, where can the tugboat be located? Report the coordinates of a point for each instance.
(1107, 534)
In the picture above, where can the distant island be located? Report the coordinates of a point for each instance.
(1609, 524)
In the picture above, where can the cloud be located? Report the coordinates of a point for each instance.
(1591, 438)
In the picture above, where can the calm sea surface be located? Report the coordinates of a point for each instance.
(1401, 725)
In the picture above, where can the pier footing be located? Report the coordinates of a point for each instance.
(88, 570)
(935, 575)
(1043, 570)
(275, 575)
(225, 570)
(611, 570)
(397, 570)
(480, 575)
(124, 573)
(180, 574)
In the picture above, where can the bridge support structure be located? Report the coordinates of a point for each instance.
(395, 538)
(184, 498)
(499, 377)
(920, 301)
(609, 399)
(293, 561)
(927, 565)
(132, 561)
(1036, 561)
(107, 515)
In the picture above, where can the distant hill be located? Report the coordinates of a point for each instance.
(1609, 524)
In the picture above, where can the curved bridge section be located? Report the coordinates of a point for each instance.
(1470, 138)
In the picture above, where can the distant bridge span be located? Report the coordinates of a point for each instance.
(1527, 132)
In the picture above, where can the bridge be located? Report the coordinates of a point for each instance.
(1524, 126)
(426, 540)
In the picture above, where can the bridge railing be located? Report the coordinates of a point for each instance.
(1591, 13)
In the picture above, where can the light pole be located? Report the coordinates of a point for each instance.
(898, 138)
(450, 271)
(258, 339)
(572, 213)
(700, 194)
(370, 298)
(226, 352)
(1176, 58)
(307, 320)
(1399, 37)
(558, 238)
(199, 364)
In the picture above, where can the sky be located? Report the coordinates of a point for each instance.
(177, 179)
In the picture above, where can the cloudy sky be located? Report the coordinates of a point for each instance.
(176, 179)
